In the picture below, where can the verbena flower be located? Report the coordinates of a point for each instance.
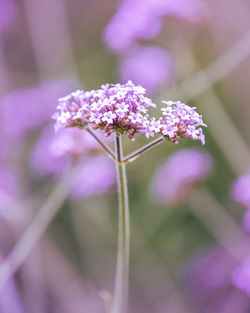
(113, 108)
(174, 180)
(149, 66)
(179, 120)
(123, 109)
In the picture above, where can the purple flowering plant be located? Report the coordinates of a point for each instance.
(123, 109)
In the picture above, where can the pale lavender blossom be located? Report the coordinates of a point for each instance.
(113, 108)
(123, 109)
(179, 120)
(174, 180)
(53, 153)
(149, 66)
(29, 108)
(142, 19)
(241, 276)
(94, 176)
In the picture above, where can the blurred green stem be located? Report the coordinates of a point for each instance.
(122, 267)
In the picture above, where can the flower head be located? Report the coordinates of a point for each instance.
(179, 120)
(123, 109)
(113, 108)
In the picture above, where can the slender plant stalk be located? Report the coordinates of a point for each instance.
(131, 157)
(105, 147)
(122, 267)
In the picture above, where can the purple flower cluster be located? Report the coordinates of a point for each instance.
(113, 108)
(175, 179)
(143, 19)
(123, 109)
(179, 120)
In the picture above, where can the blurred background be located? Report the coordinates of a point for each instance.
(190, 204)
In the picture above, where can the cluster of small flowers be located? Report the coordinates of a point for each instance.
(179, 120)
(113, 108)
(123, 109)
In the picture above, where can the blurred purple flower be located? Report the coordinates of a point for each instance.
(148, 66)
(241, 276)
(175, 179)
(210, 272)
(142, 19)
(209, 282)
(29, 108)
(53, 152)
(94, 176)
(7, 12)
(241, 190)
(8, 183)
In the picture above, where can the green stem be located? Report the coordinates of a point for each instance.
(131, 157)
(105, 147)
(122, 267)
